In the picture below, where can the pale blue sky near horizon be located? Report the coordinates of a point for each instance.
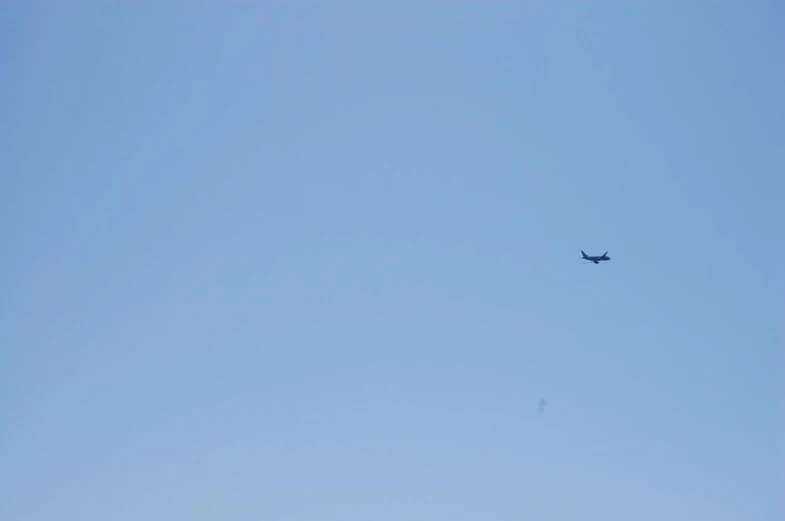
(305, 260)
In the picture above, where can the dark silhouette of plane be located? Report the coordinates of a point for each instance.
(596, 259)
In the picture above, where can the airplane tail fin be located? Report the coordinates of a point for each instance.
(605, 254)
(583, 253)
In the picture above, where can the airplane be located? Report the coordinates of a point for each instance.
(596, 259)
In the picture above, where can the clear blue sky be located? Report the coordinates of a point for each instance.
(306, 262)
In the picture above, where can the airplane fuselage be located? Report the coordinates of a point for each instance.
(596, 258)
